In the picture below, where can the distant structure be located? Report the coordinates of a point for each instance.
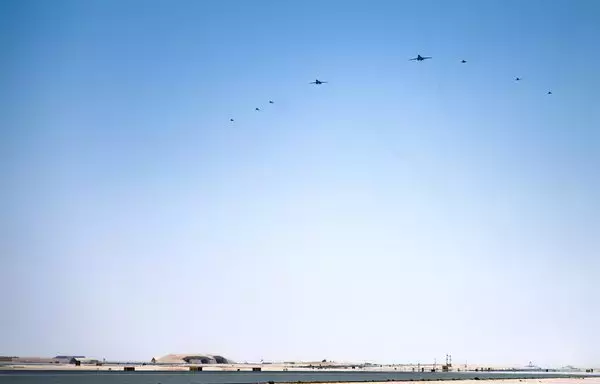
(448, 366)
(85, 361)
(35, 360)
(64, 359)
(570, 368)
(531, 367)
(192, 358)
(60, 359)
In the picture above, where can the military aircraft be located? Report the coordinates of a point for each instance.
(231, 120)
(318, 82)
(257, 109)
(271, 102)
(549, 93)
(517, 79)
(420, 58)
(463, 61)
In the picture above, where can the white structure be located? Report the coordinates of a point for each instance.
(192, 358)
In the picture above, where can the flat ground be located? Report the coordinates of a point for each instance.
(587, 380)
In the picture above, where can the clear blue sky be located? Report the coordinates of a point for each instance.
(399, 212)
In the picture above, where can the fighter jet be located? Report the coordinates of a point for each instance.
(420, 58)
(318, 82)
(463, 61)
(257, 109)
(231, 120)
(549, 93)
(517, 79)
(271, 102)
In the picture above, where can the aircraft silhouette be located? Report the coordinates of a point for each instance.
(257, 109)
(231, 120)
(517, 79)
(318, 82)
(420, 58)
(271, 102)
(463, 61)
(549, 93)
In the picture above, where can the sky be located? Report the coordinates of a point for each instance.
(402, 211)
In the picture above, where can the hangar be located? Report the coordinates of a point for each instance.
(192, 358)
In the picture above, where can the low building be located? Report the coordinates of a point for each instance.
(192, 358)
(34, 360)
(67, 359)
(85, 361)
